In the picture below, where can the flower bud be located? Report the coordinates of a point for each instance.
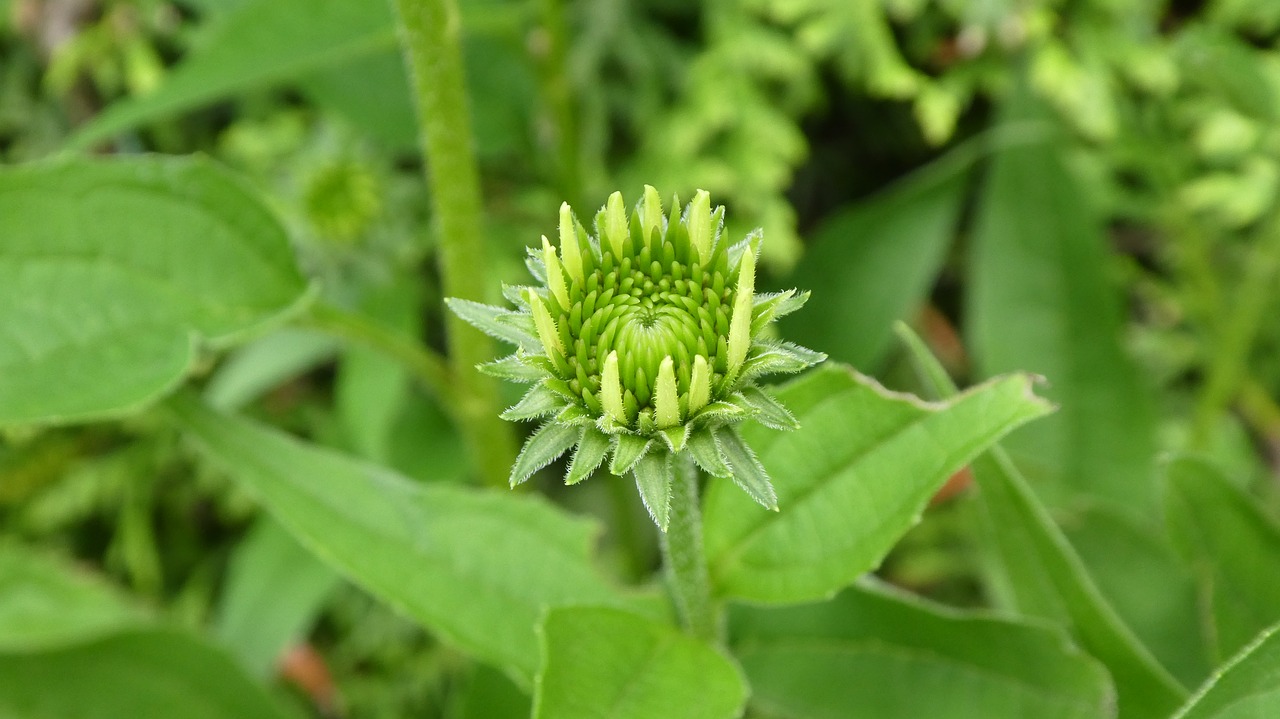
(644, 338)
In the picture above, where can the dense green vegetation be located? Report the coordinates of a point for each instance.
(248, 467)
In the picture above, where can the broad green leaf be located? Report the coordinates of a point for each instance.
(489, 694)
(600, 663)
(371, 388)
(879, 654)
(47, 602)
(850, 482)
(1127, 558)
(274, 591)
(1247, 687)
(261, 43)
(372, 92)
(259, 366)
(872, 264)
(1040, 301)
(114, 272)
(1232, 547)
(131, 675)
(1044, 577)
(476, 567)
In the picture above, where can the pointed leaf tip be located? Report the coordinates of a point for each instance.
(748, 473)
(653, 474)
(555, 273)
(489, 320)
(592, 449)
(570, 250)
(543, 447)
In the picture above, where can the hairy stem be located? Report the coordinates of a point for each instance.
(683, 558)
(429, 36)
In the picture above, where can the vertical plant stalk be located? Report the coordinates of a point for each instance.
(1229, 366)
(683, 558)
(429, 36)
(558, 94)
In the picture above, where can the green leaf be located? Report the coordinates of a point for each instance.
(476, 567)
(1040, 301)
(513, 368)
(627, 450)
(130, 675)
(113, 272)
(259, 44)
(372, 389)
(371, 91)
(1248, 686)
(769, 411)
(880, 654)
(274, 591)
(1046, 578)
(592, 448)
(489, 694)
(1127, 558)
(543, 447)
(851, 481)
(1233, 548)
(603, 663)
(265, 363)
(706, 452)
(489, 319)
(47, 602)
(539, 401)
(653, 473)
(874, 263)
(777, 358)
(745, 468)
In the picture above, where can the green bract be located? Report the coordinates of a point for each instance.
(643, 342)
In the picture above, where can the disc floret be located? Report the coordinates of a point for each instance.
(642, 342)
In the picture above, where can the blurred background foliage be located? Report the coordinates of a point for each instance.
(1083, 189)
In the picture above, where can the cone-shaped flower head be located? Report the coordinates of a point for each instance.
(642, 342)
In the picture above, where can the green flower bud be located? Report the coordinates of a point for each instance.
(644, 340)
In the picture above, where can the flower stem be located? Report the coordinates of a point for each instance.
(352, 327)
(429, 35)
(1229, 366)
(683, 557)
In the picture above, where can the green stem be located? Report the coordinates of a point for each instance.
(429, 36)
(1231, 356)
(683, 557)
(558, 96)
(426, 366)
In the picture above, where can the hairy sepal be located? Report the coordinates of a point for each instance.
(539, 401)
(543, 447)
(748, 473)
(593, 446)
(653, 474)
(627, 450)
(495, 322)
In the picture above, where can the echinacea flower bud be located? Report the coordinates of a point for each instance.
(642, 343)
